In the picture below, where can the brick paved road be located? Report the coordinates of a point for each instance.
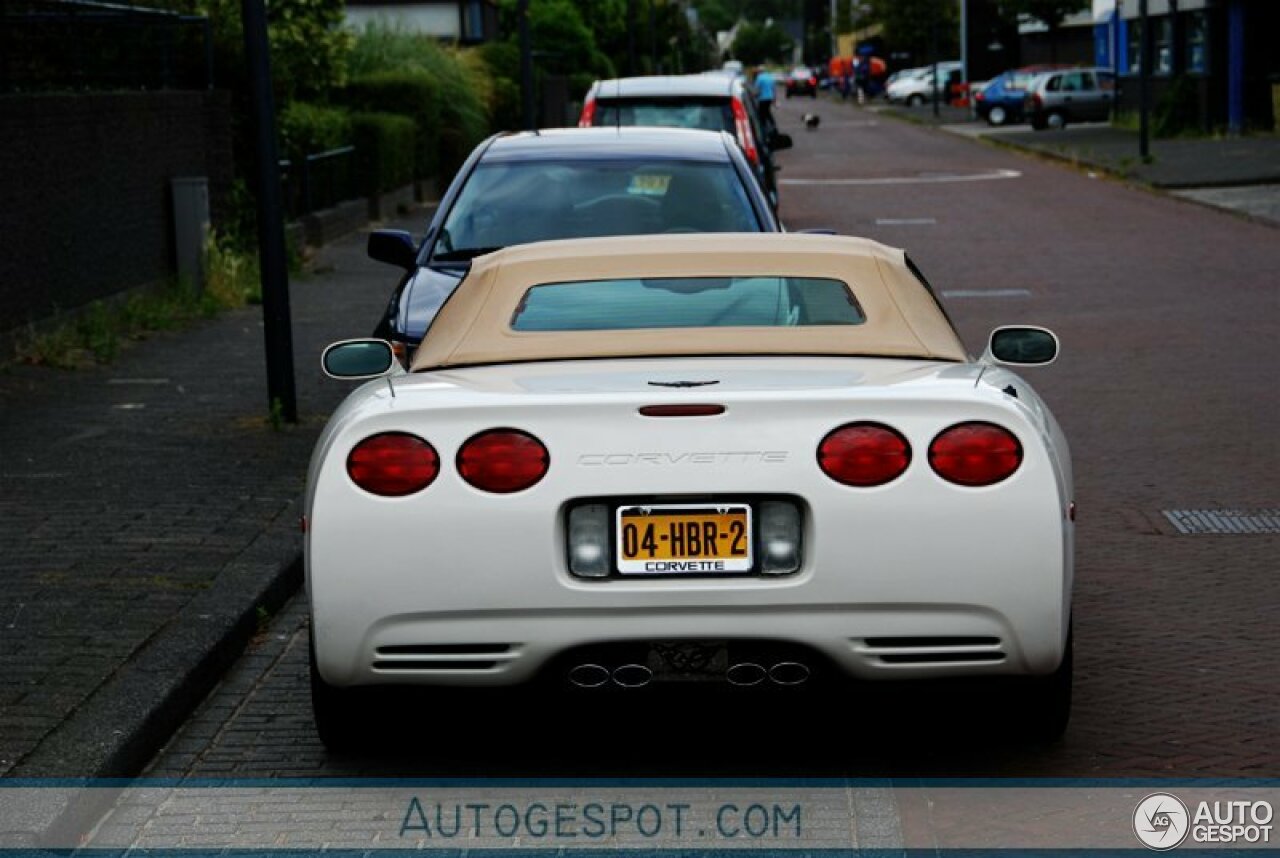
(1168, 314)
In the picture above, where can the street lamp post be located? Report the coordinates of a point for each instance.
(277, 325)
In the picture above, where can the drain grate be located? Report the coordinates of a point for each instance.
(1229, 521)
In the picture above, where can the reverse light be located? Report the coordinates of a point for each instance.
(779, 523)
(503, 461)
(393, 464)
(975, 454)
(864, 454)
(742, 127)
(588, 112)
(589, 540)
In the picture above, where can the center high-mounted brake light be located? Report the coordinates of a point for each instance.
(742, 128)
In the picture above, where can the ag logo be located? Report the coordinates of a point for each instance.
(1161, 821)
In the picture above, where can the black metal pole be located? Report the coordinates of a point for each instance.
(277, 327)
(933, 76)
(1144, 83)
(631, 38)
(526, 65)
(653, 38)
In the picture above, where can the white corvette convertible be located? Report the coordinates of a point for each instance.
(753, 460)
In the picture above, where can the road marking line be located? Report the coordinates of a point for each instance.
(905, 221)
(986, 293)
(943, 178)
(137, 381)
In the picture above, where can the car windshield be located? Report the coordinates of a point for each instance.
(707, 114)
(690, 302)
(517, 203)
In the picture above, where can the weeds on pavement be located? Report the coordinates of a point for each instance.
(96, 335)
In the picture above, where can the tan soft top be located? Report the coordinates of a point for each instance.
(902, 318)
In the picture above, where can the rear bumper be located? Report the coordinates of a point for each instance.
(511, 647)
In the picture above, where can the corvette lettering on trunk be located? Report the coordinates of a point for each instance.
(738, 457)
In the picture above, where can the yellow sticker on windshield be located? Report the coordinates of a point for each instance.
(649, 185)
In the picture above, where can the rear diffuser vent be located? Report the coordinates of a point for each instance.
(443, 657)
(932, 650)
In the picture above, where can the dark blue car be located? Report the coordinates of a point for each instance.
(1001, 101)
(567, 183)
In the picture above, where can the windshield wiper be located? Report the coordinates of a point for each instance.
(462, 255)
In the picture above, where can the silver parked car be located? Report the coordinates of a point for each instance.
(1056, 98)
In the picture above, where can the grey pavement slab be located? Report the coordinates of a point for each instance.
(146, 508)
(1178, 163)
(1259, 201)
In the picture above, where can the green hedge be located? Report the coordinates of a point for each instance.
(414, 94)
(308, 129)
(385, 58)
(385, 145)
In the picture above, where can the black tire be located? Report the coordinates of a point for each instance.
(1041, 705)
(1038, 123)
(915, 100)
(1056, 120)
(997, 116)
(342, 715)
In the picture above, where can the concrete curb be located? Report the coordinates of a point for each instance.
(126, 721)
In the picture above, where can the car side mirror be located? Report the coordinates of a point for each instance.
(779, 141)
(394, 247)
(1022, 345)
(358, 359)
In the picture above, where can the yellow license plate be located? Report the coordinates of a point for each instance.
(674, 539)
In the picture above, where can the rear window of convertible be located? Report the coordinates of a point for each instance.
(686, 302)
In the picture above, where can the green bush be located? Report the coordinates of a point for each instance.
(414, 94)
(384, 150)
(462, 86)
(307, 129)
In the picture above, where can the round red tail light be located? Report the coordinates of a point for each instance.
(863, 454)
(503, 460)
(975, 454)
(393, 464)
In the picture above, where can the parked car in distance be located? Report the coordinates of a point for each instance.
(709, 102)
(1000, 102)
(566, 183)
(917, 88)
(618, 464)
(802, 81)
(1055, 99)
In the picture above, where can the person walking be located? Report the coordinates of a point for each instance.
(764, 100)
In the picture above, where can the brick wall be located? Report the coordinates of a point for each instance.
(85, 207)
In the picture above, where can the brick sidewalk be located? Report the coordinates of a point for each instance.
(144, 506)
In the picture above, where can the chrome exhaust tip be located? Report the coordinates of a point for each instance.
(789, 673)
(589, 675)
(746, 673)
(632, 676)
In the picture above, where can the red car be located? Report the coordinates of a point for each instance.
(802, 81)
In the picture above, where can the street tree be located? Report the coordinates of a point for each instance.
(758, 43)
(924, 30)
